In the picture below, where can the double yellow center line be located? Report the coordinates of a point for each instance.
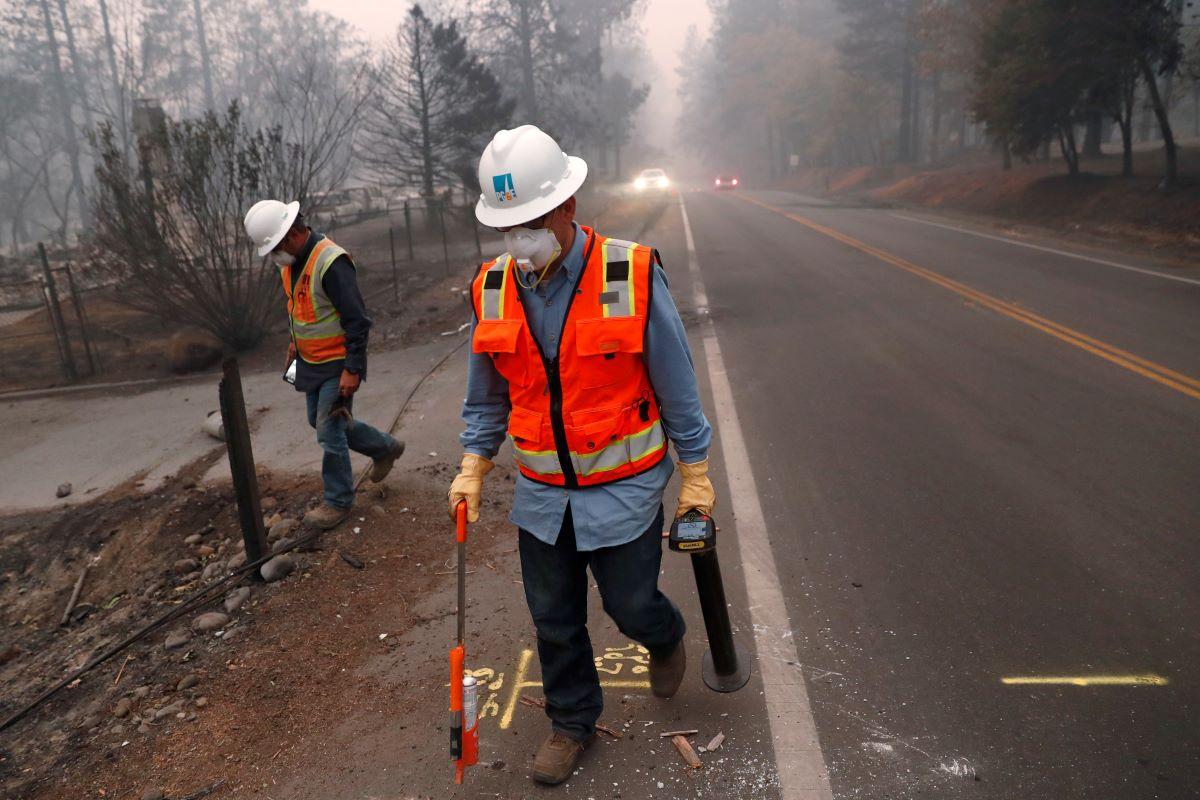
(1122, 358)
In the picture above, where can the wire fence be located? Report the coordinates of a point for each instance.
(60, 324)
(417, 240)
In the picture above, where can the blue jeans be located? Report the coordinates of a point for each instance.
(337, 437)
(556, 588)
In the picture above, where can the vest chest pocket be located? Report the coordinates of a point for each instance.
(502, 340)
(609, 349)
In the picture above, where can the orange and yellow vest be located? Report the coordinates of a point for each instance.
(316, 325)
(588, 416)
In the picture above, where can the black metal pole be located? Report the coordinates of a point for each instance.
(726, 667)
(241, 461)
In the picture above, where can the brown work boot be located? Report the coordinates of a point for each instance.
(380, 467)
(556, 758)
(326, 517)
(667, 673)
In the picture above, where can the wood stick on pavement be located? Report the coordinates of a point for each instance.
(669, 734)
(716, 742)
(685, 749)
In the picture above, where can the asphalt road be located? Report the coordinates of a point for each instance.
(976, 461)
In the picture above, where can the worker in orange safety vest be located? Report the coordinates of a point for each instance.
(327, 353)
(580, 360)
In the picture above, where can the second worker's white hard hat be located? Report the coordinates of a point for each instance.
(524, 174)
(268, 221)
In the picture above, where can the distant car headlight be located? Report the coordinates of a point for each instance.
(735, 181)
(717, 182)
(663, 183)
(639, 184)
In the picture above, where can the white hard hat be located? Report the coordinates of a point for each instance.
(268, 221)
(524, 174)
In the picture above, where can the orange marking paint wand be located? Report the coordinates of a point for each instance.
(464, 718)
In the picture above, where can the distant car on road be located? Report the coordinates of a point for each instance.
(725, 182)
(339, 204)
(651, 180)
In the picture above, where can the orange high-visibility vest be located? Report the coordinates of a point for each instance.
(590, 415)
(316, 324)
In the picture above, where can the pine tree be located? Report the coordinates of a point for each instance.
(437, 105)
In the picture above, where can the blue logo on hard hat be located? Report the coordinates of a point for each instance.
(503, 186)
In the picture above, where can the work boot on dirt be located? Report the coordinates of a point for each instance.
(380, 467)
(666, 673)
(556, 758)
(326, 517)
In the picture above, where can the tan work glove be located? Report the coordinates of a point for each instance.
(468, 485)
(696, 490)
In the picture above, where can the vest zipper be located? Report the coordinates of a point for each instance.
(556, 422)
(554, 382)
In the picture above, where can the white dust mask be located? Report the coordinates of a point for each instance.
(532, 249)
(283, 259)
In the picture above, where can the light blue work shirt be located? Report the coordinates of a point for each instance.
(613, 513)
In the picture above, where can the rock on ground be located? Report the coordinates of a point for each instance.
(186, 682)
(236, 599)
(63, 490)
(282, 528)
(210, 621)
(122, 708)
(167, 711)
(177, 640)
(277, 568)
(185, 565)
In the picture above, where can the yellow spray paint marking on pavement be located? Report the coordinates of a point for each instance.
(1122, 358)
(612, 662)
(1087, 680)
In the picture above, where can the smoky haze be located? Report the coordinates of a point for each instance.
(766, 88)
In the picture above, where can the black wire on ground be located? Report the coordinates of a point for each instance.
(207, 594)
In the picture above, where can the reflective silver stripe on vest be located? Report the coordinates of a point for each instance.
(543, 462)
(328, 321)
(626, 451)
(617, 293)
(495, 282)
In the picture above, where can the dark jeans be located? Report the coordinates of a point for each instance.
(556, 588)
(337, 438)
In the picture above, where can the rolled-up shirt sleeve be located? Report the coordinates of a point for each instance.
(486, 406)
(673, 375)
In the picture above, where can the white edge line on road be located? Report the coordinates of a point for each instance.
(803, 774)
(1041, 248)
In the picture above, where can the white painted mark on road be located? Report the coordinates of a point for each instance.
(958, 767)
(798, 758)
(1052, 250)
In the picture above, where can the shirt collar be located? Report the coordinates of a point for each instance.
(573, 263)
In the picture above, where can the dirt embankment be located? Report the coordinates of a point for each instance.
(214, 712)
(1097, 203)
